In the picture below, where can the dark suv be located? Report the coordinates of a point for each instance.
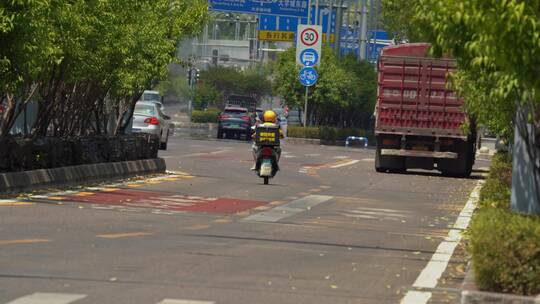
(235, 121)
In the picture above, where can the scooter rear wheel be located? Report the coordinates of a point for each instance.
(266, 180)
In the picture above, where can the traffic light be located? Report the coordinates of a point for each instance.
(197, 75)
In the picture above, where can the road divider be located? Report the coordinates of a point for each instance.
(18, 181)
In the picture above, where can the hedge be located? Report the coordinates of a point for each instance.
(505, 246)
(206, 116)
(326, 133)
(496, 190)
(505, 249)
(22, 154)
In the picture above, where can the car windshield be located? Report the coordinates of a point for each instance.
(236, 112)
(143, 109)
(151, 97)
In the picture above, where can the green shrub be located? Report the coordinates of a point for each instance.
(497, 189)
(325, 133)
(505, 250)
(208, 116)
(328, 133)
(301, 132)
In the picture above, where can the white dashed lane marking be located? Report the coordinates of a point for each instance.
(375, 213)
(66, 298)
(173, 301)
(351, 162)
(48, 298)
(289, 209)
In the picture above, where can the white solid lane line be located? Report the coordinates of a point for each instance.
(280, 212)
(433, 271)
(48, 298)
(352, 162)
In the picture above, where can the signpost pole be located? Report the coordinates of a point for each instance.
(309, 12)
(316, 12)
(305, 108)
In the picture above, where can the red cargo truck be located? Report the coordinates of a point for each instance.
(418, 118)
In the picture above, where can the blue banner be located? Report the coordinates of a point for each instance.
(292, 8)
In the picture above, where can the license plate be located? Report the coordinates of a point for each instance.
(266, 168)
(420, 148)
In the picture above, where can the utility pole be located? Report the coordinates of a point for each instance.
(329, 23)
(363, 31)
(237, 28)
(339, 21)
(307, 88)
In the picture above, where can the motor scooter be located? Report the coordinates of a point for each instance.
(267, 140)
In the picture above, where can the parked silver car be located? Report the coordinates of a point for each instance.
(148, 118)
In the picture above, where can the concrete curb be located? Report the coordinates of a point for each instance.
(471, 294)
(307, 141)
(17, 181)
(193, 125)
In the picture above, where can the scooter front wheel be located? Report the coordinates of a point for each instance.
(266, 180)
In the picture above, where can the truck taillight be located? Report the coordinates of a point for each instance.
(152, 121)
(390, 142)
(223, 116)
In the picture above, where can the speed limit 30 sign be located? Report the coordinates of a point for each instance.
(308, 45)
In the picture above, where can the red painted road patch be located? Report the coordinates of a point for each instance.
(166, 201)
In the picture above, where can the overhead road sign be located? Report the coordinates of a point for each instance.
(292, 8)
(276, 36)
(308, 76)
(272, 23)
(309, 37)
(285, 36)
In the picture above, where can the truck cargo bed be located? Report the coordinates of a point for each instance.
(414, 98)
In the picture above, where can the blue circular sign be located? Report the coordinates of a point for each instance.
(309, 57)
(308, 76)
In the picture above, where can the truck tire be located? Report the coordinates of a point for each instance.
(220, 133)
(163, 145)
(393, 164)
(378, 167)
(462, 166)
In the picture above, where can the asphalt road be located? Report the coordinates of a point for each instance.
(328, 229)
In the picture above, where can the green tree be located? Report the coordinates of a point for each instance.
(497, 45)
(396, 18)
(26, 48)
(344, 95)
(226, 81)
(86, 59)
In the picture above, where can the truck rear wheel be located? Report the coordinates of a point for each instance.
(392, 164)
(395, 164)
(462, 166)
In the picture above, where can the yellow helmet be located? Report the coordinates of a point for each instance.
(269, 116)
